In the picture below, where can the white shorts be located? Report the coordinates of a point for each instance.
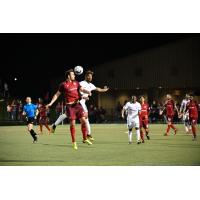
(133, 122)
(82, 102)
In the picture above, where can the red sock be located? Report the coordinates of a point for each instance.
(173, 126)
(141, 135)
(168, 128)
(194, 131)
(72, 130)
(46, 125)
(40, 127)
(84, 131)
(147, 132)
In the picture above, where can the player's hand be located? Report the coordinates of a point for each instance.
(180, 115)
(161, 112)
(106, 88)
(48, 105)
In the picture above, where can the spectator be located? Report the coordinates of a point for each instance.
(6, 91)
(9, 111)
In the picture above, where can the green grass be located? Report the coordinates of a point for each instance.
(109, 149)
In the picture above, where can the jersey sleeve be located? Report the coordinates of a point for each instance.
(93, 87)
(125, 106)
(61, 88)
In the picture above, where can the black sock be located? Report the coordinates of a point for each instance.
(54, 126)
(33, 134)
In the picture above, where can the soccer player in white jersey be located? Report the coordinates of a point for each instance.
(185, 115)
(86, 84)
(133, 109)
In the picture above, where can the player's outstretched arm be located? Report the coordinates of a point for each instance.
(105, 89)
(55, 97)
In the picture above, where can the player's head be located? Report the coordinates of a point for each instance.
(191, 96)
(88, 76)
(142, 99)
(40, 100)
(168, 96)
(187, 96)
(69, 74)
(28, 99)
(134, 98)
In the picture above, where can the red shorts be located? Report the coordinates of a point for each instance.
(170, 118)
(75, 111)
(193, 121)
(43, 120)
(144, 123)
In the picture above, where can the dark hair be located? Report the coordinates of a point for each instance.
(68, 72)
(89, 72)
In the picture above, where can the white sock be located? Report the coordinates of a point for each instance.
(60, 119)
(186, 129)
(130, 136)
(88, 127)
(138, 134)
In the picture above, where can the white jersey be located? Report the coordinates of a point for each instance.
(184, 104)
(133, 110)
(89, 87)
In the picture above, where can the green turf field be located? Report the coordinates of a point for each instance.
(109, 149)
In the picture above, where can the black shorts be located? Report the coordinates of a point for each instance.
(30, 120)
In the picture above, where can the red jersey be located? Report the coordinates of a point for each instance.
(42, 110)
(169, 105)
(192, 107)
(144, 111)
(70, 89)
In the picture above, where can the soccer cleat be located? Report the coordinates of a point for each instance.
(87, 142)
(74, 145)
(194, 139)
(142, 141)
(52, 129)
(90, 138)
(166, 134)
(138, 142)
(148, 138)
(175, 131)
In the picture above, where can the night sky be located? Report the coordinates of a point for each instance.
(35, 59)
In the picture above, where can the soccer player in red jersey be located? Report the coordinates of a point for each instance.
(192, 107)
(43, 120)
(71, 90)
(169, 107)
(144, 119)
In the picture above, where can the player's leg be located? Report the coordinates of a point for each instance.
(130, 133)
(80, 114)
(40, 128)
(146, 128)
(32, 132)
(137, 128)
(89, 136)
(47, 127)
(168, 126)
(84, 131)
(193, 124)
(142, 134)
(57, 122)
(73, 133)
